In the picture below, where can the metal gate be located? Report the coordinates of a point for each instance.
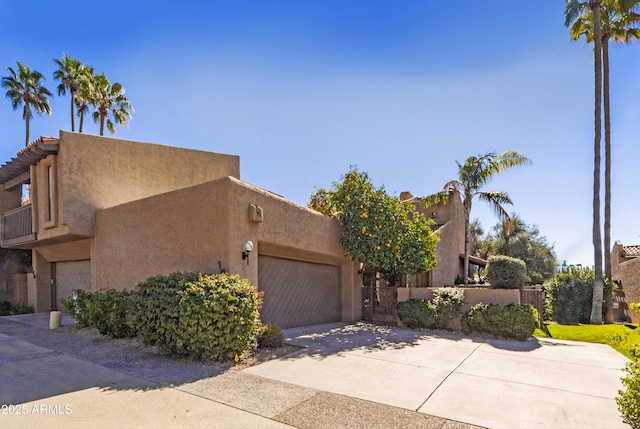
(379, 301)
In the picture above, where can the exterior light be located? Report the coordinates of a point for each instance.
(246, 249)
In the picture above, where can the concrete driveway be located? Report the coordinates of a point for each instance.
(489, 383)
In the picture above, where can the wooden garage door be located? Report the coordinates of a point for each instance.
(298, 293)
(70, 276)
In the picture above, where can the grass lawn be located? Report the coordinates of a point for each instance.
(619, 336)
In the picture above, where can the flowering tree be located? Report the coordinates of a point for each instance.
(381, 231)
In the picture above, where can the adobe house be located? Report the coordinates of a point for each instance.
(449, 222)
(625, 271)
(108, 213)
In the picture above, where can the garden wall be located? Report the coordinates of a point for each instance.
(472, 296)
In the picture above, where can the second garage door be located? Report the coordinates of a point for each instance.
(70, 276)
(298, 293)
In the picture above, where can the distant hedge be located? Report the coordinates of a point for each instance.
(504, 272)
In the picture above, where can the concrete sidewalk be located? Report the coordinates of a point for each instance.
(489, 383)
(349, 376)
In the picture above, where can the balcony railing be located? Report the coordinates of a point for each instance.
(17, 226)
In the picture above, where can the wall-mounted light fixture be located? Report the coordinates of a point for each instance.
(361, 269)
(246, 249)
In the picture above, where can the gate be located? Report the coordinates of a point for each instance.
(534, 296)
(379, 301)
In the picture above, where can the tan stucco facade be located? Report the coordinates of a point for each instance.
(625, 271)
(134, 210)
(449, 221)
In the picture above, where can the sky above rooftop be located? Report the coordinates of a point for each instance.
(400, 89)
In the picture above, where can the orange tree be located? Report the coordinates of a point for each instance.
(381, 231)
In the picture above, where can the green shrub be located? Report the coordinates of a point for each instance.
(110, 312)
(629, 399)
(433, 314)
(513, 321)
(504, 272)
(8, 308)
(417, 313)
(569, 295)
(202, 316)
(77, 307)
(270, 337)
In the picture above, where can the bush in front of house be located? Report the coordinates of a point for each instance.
(505, 272)
(629, 399)
(513, 321)
(109, 311)
(77, 307)
(8, 308)
(196, 315)
(569, 295)
(432, 314)
(270, 337)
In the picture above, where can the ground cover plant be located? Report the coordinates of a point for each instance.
(8, 308)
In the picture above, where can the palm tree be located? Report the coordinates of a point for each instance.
(69, 74)
(110, 102)
(476, 172)
(616, 20)
(84, 94)
(24, 88)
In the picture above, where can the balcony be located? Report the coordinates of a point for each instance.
(17, 227)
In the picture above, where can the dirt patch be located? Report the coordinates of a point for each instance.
(248, 359)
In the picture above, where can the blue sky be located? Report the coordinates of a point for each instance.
(301, 90)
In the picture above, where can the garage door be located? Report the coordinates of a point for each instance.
(298, 293)
(70, 276)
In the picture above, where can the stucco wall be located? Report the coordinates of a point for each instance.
(193, 228)
(451, 245)
(626, 272)
(97, 172)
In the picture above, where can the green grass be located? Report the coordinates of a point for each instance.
(621, 337)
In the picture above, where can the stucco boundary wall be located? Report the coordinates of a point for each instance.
(472, 296)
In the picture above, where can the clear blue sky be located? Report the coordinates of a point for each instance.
(301, 90)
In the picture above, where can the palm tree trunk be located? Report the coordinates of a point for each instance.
(607, 177)
(73, 121)
(101, 125)
(598, 286)
(81, 121)
(467, 238)
(27, 120)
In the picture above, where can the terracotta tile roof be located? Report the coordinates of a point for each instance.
(631, 251)
(27, 157)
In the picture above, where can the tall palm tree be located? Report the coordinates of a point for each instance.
(69, 74)
(24, 88)
(476, 172)
(84, 94)
(110, 102)
(617, 18)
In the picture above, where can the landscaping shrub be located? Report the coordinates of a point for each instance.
(513, 321)
(270, 337)
(110, 312)
(629, 399)
(569, 296)
(436, 313)
(202, 316)
(8, 308)
(417, 313)
(77, 307)
(504, 272)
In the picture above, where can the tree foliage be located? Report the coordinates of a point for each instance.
(516, 239)
(381, 231)
(473, 175)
